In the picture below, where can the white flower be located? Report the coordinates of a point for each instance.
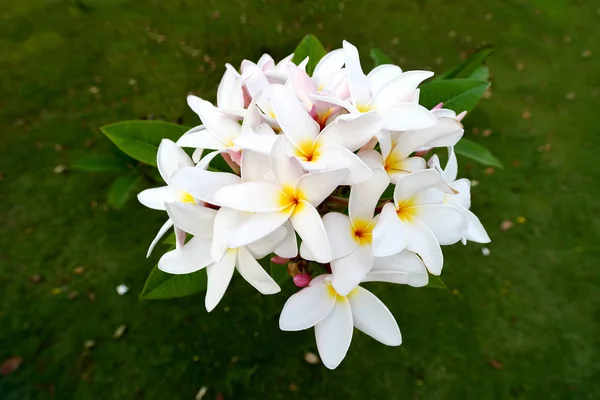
(475, 231)
(334, 318)
(293, 196)
(418, 220)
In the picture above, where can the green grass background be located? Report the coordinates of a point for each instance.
(69, 67)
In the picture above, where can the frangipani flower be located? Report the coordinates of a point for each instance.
(293, 196)
(334, 318)
(475, 231)
(418, 220)
(332, 147)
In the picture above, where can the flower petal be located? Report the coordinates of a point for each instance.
(203, 184)
(334, 333)
(424, 243)
(340, 233)
(383, 74)
(463, 192)
(413, 140)
(201, 139)
(259, 196)
(451, 169)
(475, 230)
(225, 223)
(324, 101)
(336, 157)
(399, 89)
(193, 256)
(259, 142)
(297, 125)
(191, 218)
(365, 196)
(358, 82)
(288, 248)
(351, 131)
(155, 198)
(307, 307)
(229, 93)
(401, 168)
(254, 273)
(308, 224)
(219, 276)
(372, 317)
(327, 66)
(413, 183)
(265, 246)
(286, 170)
(171, 158)
(317, 186)
(224, 128)
(448, 224)
(391, 233)
(406, 116)
(350, 270)
(402, 268)
(254, 165)
(161, 232)
(257, 226)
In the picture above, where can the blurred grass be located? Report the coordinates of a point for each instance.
(68, 67)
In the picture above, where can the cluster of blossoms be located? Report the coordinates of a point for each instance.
(310, 159)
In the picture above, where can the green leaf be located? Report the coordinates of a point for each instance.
(379, 57)
(436, 282)
(140, 139)
(161, 285)
(482, 73)
(476, 152)
(279, 272)
(456, 94)
(470, 65)
(309, 47)
(102, 163)
(170, 239)
(121, 190)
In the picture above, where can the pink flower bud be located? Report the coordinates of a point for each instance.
(280, 260)
(437, 107)
(302, 280)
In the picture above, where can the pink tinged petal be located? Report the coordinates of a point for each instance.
(365, 196)
(193, 256)
(350, 270)
(257, 226)
(438, 106)
(229, 93)
(462, 115)
(297, 125)
(424, 243)
(203, 184)
(337, 157)
(413, 183)
(308, 224)
(191, 218)
(383, 74)
(225, 223)
(413, 140)
(328, 65)
(447, 224)
(170, 158)
(360, 90)
(280, 260)
(265, 60)
(340, 233)
(463, 192)
(317, 186)
(254, 165)
(327, 101)
(265, 246)
(259, 196)
(288, 248)
(406, 116)
(201, 139)
(391, 234)
(254, 273)
(403, 268)
(372, 317)
(286, 169)
(334, 333)
(399, 89)
(161, 232)
(219, 276)
(180, 236)
(351, 131)
(224, 128)
(307, 307)
(156, 198)
(301, 84)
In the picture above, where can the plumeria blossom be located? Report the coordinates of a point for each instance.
(462, 199)
(323, 167)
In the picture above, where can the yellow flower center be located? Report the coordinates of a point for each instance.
(307, 151)
(187, 198)
(406, 210)
(362, 231)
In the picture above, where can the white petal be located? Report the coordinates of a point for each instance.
(391, 233)
(254, 273)
(324, 101)
(372, 158)
(225, 223)
(447, 224)
(444, 112)
(402, 268)
(296, 123)
(256, 142)
(264, 59)
(219, 276)
(340, 233)
(224, 128)
(399, 89)
(475, 230)
(383, 74)
(203, 184)
(336, 157)
(171, 158)
(257, 226)
(399, 169)
(286, 169)
(265, 246)
(307, 307)
(317, 186)
(308, 223)
(161, 232)
(351, 269)
(301, 84)
(288, 248)
(413, 140)
(201, 139)
(406, 116)
(451, 169)
(430, 196)
(260, 196)
(306, 253)
(191, 218)
(372, 317)
(365, 196)
(229, 93)
(334, 334)
(255, 80)
(156, 198)
(351, 131)
(254, 165)
(424, 243)
(328, 65)
(357, 80)
(413, 183)
(463, 195)
(193, 256)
